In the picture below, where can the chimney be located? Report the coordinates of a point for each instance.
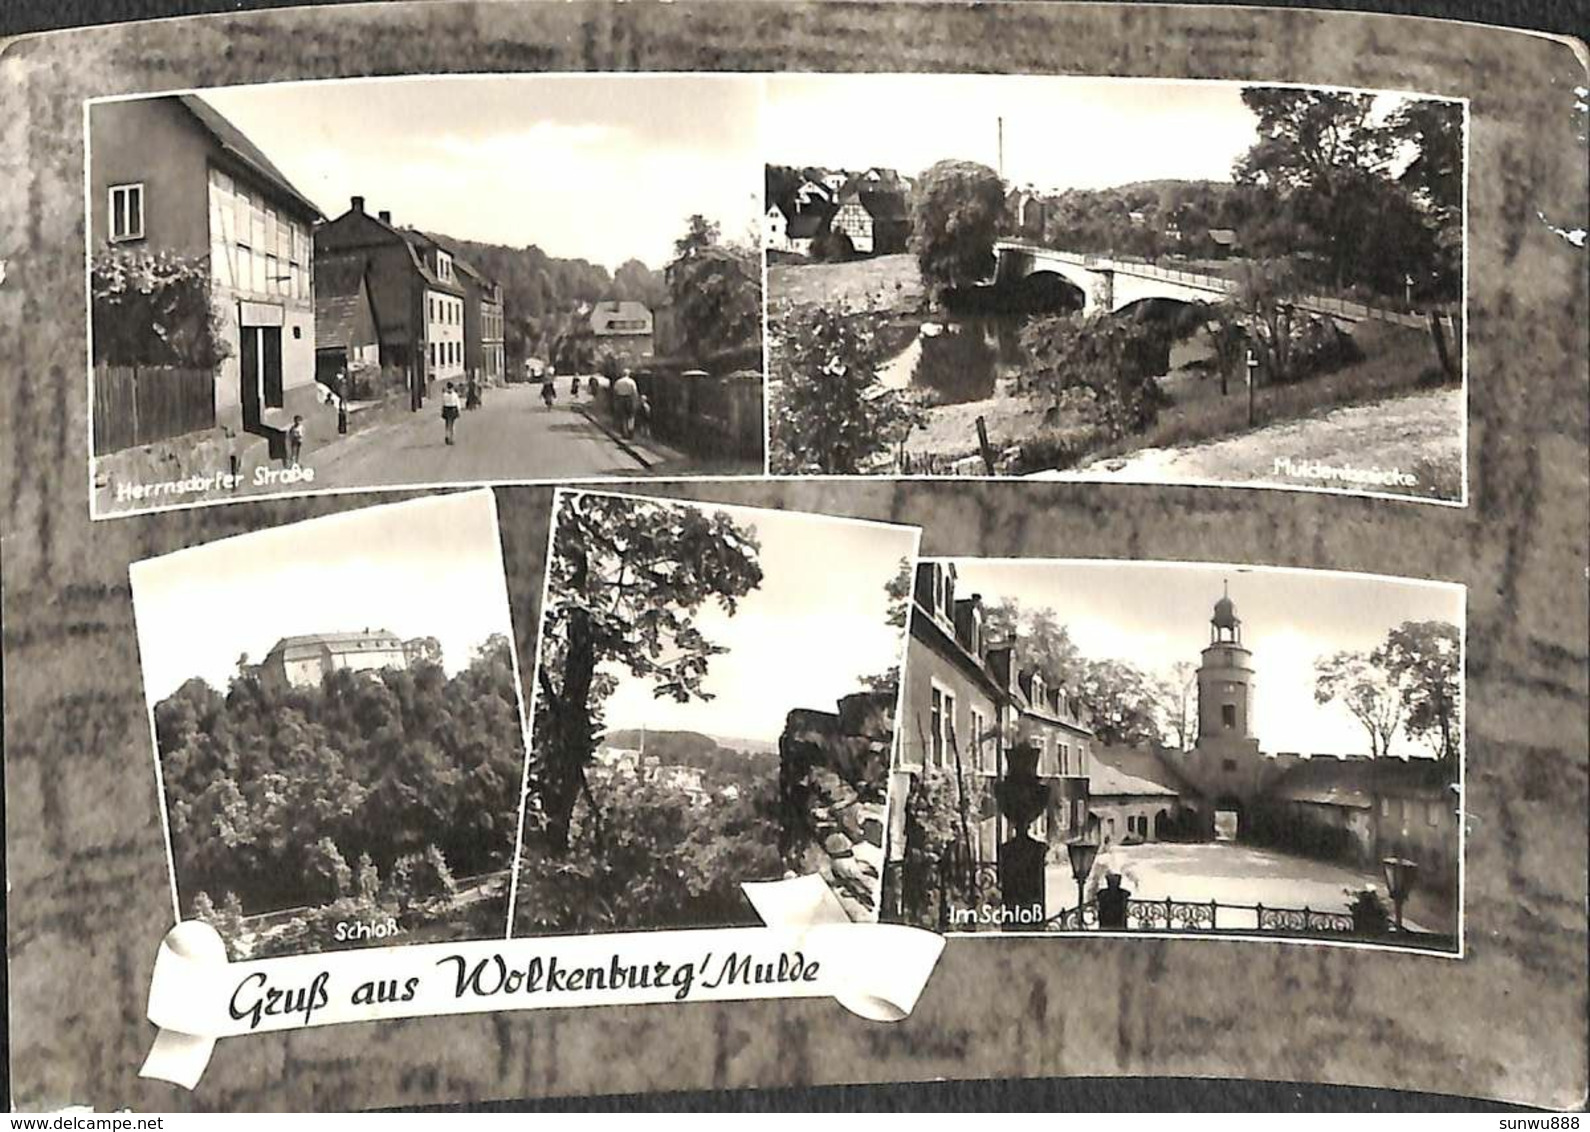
(385, 215)
(358, 204)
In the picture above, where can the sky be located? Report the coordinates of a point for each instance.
(423, 568)
(1060, 133)
(1155, 615)
(804, 638)
(600, 167)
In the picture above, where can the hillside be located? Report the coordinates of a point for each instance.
(692, 748)
(542, 294)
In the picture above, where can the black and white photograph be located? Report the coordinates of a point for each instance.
(1202, 750)
(338, 730)
(1182, 282)
(709, 709)
(423, 281)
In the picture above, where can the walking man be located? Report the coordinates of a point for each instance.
(626, 397)
(449, 410)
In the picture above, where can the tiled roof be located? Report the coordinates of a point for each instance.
(235, 142)
(1131, 771)
(337, 299)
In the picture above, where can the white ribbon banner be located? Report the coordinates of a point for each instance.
(808, 948)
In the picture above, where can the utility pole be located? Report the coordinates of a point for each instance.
(1001, 121)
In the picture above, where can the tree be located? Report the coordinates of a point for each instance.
(1181, 704)
(1435, 177)
(1267, 291)
(700, 233)
(1366, 690)
(898, 591)
(1423, 659)
(1113, 358)
(1317, 151)
(1123, 701)
(716, 290)
(1044, 642)
(957, 211)
(627, 578)
(830, 415)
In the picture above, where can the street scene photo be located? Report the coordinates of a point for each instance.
(338, 728)
(1209, 750)
(423, 281)
(1110, 279)
(708, 710)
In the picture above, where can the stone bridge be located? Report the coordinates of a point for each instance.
(1109, 284)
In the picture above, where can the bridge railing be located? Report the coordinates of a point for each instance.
(1316, 303)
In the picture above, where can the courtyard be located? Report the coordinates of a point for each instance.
(1233, 873)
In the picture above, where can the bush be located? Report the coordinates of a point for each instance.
(226, 920)
(832, 247)
(328, 874)
(419, 880)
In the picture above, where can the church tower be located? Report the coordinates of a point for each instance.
(1225, 679)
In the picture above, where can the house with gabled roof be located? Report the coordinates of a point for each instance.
(483, 314)
(877, 221)
(414, 290)
(171, 175)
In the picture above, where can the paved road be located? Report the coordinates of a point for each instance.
(1235, 874)
(511, 437)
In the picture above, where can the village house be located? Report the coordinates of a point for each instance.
(624, 327)
(304, 661)
(171, 175)
(1223, 242)
(1028, 213)
(417, 301)
(483, 315)
(792, 227)
(876, 220)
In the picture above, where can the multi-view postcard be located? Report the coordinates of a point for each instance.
(722, 546)
(1214, 751)
(1114, 279)
(333, 286)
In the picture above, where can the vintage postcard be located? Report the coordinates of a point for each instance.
(304, 287)
(1215, 751)
(337, 728)
(708, 710)
(1129, 280)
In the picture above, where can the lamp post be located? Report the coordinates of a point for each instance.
(342, 402)
(1401, 876)
(1083, 851)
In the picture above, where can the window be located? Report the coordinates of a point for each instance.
(979, 726)
(126, 212)
(1228, 715)
(936, 729)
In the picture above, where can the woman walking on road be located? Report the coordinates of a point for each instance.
(449, 410)
(549, 392)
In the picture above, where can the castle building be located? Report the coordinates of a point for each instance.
(304, 661)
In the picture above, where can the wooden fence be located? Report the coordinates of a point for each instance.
(135, 405)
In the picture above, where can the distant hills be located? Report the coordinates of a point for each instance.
(693, 748)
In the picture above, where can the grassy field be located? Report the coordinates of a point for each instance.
(884, 283)
(1395, 358)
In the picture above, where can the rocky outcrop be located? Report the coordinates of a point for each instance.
(833, 785)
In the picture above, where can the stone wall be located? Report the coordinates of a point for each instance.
(833, 785)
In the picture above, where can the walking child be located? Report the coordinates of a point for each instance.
(295, 441)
